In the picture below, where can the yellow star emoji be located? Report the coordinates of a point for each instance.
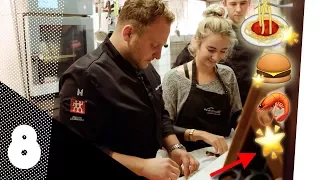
(270, 142)
(289, 36)
(258, 80)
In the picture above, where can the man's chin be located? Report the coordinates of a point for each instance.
(143, 66)
(237, 19)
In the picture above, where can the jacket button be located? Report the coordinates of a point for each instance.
(151, 96)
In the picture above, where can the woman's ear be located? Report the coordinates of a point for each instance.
(196, 41)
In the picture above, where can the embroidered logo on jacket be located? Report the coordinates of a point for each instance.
(76, 118)
(77, 106)
(80, 92)
(211, 110)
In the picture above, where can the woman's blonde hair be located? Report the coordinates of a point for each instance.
(213, 23)
(141, 13)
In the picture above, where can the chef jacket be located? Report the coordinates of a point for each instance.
(114, 105)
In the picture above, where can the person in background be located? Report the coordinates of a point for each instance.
(185, 55)
(243, 60)
(244, 55)
(109, 34)
(202, 96)
(113, 98)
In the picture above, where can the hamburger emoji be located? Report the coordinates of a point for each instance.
(275, 68)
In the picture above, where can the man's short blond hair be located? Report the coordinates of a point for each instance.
(141, 13)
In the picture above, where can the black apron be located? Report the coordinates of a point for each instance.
(203, 110)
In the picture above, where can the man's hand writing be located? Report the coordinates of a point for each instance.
(160, 169)
(182, 157)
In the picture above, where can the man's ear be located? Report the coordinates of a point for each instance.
(224, 3)
(127, 32)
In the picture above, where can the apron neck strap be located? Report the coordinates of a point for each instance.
(194, 75)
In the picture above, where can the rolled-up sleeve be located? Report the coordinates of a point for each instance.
(167, 124)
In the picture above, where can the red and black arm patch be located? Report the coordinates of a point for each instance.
(81, 108)
(73, 101)
(77, 106)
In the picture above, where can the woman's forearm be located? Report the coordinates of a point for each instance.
(196, 135)
(184, 134)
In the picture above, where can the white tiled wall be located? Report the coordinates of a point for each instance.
(163, 64)
(188, 14)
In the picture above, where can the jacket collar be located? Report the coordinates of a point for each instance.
(120, 61)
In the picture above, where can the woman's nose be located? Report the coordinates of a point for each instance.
(215, 56)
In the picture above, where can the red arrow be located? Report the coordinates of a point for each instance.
(244, 158)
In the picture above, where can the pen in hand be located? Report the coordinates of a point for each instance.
(208, 153)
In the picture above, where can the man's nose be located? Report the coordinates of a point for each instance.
(157, 54)
(238, 8)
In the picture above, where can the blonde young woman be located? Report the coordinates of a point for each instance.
(202, 96)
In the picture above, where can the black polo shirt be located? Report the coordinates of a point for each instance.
(112, 104)
(243, 62)
(183, 57)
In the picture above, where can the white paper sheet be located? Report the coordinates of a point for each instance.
(200, 155)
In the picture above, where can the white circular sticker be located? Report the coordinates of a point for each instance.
(24, 152)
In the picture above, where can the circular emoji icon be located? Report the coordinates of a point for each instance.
(272, 101)
(264, 33)
(274, 67)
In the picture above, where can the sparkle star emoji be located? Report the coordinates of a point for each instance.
(289, 36)
(270, 142)
(258, 80)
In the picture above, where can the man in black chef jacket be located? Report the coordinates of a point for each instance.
(113, 96)
(244, 55)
